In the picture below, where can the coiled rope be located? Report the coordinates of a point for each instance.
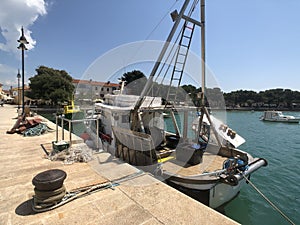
(269, 201)
(47, 203)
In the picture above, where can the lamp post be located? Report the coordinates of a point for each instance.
(22, 46)
(18, 76)
(91, 87)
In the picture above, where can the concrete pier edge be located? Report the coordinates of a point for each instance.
(140, 200)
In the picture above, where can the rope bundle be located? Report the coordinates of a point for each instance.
(49, 189)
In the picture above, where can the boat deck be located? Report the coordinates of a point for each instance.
(211, 162)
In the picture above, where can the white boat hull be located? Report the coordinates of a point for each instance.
(283, 120)
(219, 191)
(277, 116)
(223, 193)
(213, 195)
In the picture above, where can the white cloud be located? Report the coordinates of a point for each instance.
(17, 13)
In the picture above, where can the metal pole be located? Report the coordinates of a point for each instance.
(18, 94)
(97, 133)
(22, 46)
(70, 133)
(139, 102)
(161, 55)
(23, 97)
(62, 128)
(203, 50)
(56, 122)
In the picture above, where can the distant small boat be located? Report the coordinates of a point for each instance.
(278, 116)
(73, 111)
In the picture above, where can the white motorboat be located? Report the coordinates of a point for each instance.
(278, 116)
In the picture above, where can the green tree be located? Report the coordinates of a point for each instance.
(51, 84)
(193, 93)
(134, 81)
(278, 96)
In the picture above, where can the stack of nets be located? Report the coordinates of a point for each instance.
(76, 153)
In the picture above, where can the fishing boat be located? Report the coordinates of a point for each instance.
(196, 152)
(278, 116)
(72, 111)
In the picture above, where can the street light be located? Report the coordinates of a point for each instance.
(22, 46)
(91, 87)
(18, 76)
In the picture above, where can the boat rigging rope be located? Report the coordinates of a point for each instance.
(155, 28)
(173, 45)
(161, 20)
(269, 201)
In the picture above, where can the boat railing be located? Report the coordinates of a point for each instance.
(62, 120)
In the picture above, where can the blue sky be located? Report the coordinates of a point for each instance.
(250, 45)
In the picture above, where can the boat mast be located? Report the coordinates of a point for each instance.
(135, 116)
(204, 110)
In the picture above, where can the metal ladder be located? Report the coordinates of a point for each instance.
(180, 60)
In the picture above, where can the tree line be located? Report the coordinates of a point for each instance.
(56, 86)
(272, 98)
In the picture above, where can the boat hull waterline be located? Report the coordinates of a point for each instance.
(218, 193)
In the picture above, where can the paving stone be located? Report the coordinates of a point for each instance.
(140, 200)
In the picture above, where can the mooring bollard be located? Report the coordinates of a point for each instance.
(49, 188)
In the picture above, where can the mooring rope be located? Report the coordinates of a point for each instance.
(43, 204)
(269, 201)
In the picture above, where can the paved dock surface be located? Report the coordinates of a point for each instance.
(139, 200)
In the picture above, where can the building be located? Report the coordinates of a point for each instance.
(5, 95)
(16, 94)
(89, 89)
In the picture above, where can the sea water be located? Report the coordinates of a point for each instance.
(279, 144)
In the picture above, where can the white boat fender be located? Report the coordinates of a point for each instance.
(253, 166)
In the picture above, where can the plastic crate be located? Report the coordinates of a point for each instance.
(60, 145)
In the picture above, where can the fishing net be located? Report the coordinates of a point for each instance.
(76, 153)
(37, 130)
